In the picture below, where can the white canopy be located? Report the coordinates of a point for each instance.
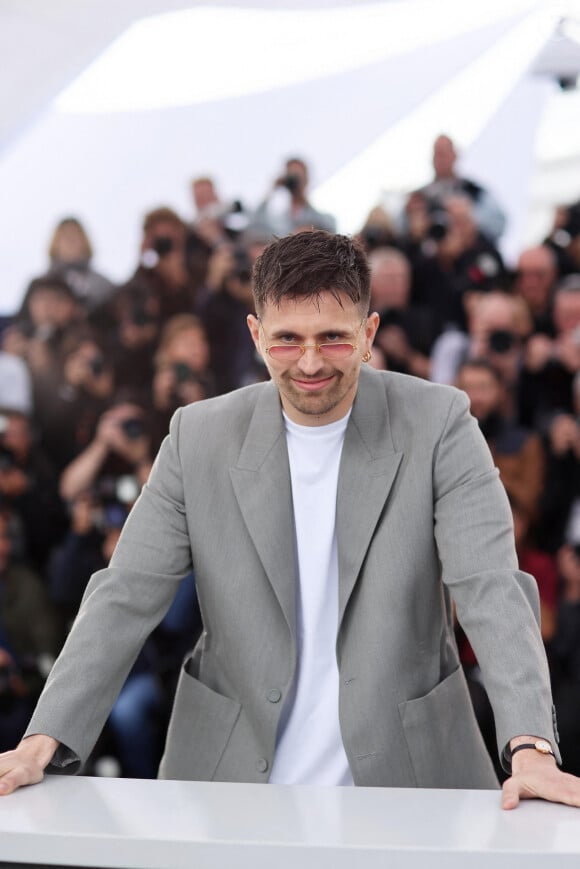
(109, 108)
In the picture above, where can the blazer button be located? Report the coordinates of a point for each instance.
(274, 695)
(262, 764)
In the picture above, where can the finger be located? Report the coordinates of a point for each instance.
(510, 794)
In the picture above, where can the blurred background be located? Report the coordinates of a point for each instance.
(109, 108)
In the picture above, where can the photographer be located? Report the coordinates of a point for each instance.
(28, 480)
(163, 270)
(498, 325)
(182, 373)
(287, 208)
(49, 313)
(66, 412)
(536, 278)
(551, 364)
(406, 332)
(451, 259)
(95, 526)
(232, 353)
(119, 450)
(29, 638)
(517, 452)
(446, 182)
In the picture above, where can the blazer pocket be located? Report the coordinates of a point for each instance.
(199, 729)
(443, 737)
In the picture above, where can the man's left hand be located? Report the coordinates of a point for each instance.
(537, 777)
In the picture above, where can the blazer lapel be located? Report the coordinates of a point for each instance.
(368, 468)
(261, 481)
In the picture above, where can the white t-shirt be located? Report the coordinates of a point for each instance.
(309, 746)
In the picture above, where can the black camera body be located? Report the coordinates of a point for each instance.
(134, 428)
(291, 183)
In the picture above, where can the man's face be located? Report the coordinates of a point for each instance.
(314, 390)
(536, 276)
(483, 390)
(444, 157)
(204, 193)
(390, 283)
(567, 312)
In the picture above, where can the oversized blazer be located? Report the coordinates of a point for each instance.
(421, 520)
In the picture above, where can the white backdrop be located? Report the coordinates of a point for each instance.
(359, 89)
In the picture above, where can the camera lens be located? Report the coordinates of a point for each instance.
(501, 341)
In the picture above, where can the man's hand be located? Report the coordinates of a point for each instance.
(25, 765)
(536, 776)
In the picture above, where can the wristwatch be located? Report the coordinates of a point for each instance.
(540, 745)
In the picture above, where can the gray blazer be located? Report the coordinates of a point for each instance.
(421, 517)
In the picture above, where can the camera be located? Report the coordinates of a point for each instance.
(242, 265)
(7, 458)
(139, 314)
(97, 365)
(133, 428)
(501, 341)
(291, 183)
(162, 245)
(182, 372)
(438, 223)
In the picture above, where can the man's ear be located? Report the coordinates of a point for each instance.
(254, 327)
(371, 326)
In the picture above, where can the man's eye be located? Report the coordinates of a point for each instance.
(288, 339)
(332, 337)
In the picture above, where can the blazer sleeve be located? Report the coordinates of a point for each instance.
(497, 604)
(121, 606)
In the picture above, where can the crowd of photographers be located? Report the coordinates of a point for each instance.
(91, 373)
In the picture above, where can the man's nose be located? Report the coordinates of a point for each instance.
(311, 360)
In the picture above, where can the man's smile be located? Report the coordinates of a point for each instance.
(312, 384)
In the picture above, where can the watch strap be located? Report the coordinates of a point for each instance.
(546, 749)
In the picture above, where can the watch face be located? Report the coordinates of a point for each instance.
(543, 746)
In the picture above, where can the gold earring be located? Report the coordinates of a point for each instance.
(367, 356)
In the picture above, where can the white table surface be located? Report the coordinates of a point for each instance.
(154, 824)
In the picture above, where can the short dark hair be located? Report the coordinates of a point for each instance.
(306, 264)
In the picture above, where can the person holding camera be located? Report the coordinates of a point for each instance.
(232, 354)
(517, 452)
(66, 412)
(29, 637)
(451, 259)
(29, 487)
(182, 374)
(49, 314)
(535, 281)
(287, 208)
(447, 181)
(498, 325)
(551, 364)
(120, 450)
(406, 331)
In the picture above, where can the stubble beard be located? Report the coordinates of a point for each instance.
(312, 403)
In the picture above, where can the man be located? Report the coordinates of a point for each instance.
(490, 218)
(329, 516)
(536, 278)
(287, 208)
(406, 331)
(517, 452)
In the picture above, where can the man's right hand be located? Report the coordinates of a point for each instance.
(26, 764)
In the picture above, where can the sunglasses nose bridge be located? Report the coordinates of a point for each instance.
(310, 362)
